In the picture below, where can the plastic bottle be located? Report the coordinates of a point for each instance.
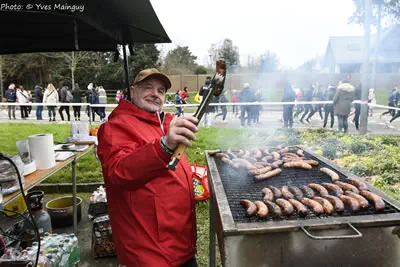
(9, 255)
(42, 260)
(24, 255)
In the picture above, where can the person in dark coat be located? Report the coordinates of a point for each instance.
(308, 107)
(342, 104)
(288, 96)
(39, 99)
(391, 103)
(203, 92)
(329, 112)
(224, 110)
(317, 96)
(246, 96)
(77, 98)
(11, 97)
(64, 99)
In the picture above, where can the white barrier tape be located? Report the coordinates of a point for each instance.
(43, 104)
(196, 105)
(384, 107)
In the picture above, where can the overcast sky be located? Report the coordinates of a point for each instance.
(295, 30)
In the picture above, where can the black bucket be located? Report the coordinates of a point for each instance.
(61, 211)
(35, 200)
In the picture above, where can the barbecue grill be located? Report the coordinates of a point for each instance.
(365, 238)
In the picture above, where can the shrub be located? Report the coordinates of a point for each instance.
(329, 151)
(358, 148)
(391, 178)
(360, 169)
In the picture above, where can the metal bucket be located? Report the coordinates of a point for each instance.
(61, 211)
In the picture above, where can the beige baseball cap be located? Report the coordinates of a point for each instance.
(152, 73)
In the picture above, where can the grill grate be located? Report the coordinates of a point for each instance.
(238, 185)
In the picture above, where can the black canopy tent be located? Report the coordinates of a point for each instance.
(93, 26)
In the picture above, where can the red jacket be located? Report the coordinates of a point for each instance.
(152, 209)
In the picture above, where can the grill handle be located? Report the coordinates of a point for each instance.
(358, 235)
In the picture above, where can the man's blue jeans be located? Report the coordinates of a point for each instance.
(39, 110)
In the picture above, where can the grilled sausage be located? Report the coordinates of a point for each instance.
(257, 165)
(328, 207)
(268, 175)
(276, 155)
(308, 192)
(298, 164)
(264, 164)
(296, 192)
(334, 176)
(279, 147)
(274, 209)
(277, 193)
(243, 163)
(300, 153)
(283, 150)
(213, 152)
(230, 154)
(265, 151)
(321, 190)
(351, 202)
(290, 155)
(314, 205)
(361, 200)
(276, 164)
(334, 188)
(262, 210)
(360, 185)
(300, 208)
(230, 162)
(336, 202)
(246, 153)
(347, 187)
(221, 155)
(285, 159)
(260, 171)
(256, 153)
(286, 193)
(267, 158)
(240, 153)
(379, 204)
(250, 159)
(286, 206)
(311, 162)
(251, 208)
(268, 194)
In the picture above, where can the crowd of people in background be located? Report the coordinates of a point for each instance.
(341, 97)
(60, 98)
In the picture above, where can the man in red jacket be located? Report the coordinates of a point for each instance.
(152, 209)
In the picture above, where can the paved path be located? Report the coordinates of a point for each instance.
(270, 119)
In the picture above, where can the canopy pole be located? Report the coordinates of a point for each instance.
(76, 35)
(126, 73)
(365, 67)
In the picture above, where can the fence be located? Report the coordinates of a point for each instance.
(274, 81)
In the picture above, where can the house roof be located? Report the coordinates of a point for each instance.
(348, 49)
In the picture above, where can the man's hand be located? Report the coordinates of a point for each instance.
(181, 131)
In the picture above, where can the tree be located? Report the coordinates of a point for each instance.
(226, 50)
(229, 52)
(180, 61)
(145, 56)
(390, 10)
(200, 70)
(268, 62)
(308, 65)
